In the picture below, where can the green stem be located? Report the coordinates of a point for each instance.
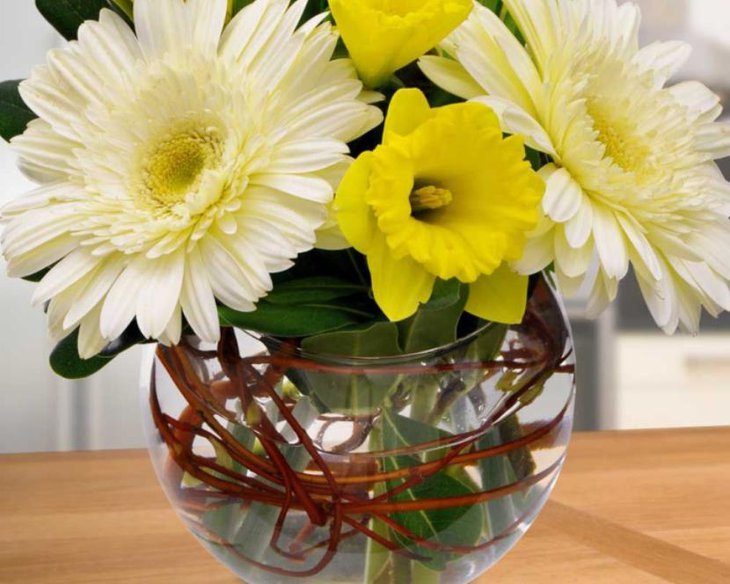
(424, 401)
(420, 574)
(402, 570)
(377, 558)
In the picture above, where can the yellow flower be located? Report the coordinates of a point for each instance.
(445, 196)
(383, 36)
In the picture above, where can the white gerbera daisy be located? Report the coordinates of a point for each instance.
(179, 166)
(634, 179)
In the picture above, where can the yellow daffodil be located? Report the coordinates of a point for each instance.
(383, 36)
(445, 196)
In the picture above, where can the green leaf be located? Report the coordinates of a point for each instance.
(435, 324)
(14, 114)
(535, 158)
(300, 320)
(126, 6)
(404, 432)
(493, 5)
(351, 393)
(66, 362)
(502, 470)
(238, 5)
(66, 16)
(378, 340)
(456, 526)
(346, 265)
(488, 345)
(315, 7)
(315, 290)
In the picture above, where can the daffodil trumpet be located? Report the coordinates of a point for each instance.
(383, 36)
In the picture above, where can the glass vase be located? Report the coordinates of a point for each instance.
(424, 468)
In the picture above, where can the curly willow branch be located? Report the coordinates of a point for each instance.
(327, 498)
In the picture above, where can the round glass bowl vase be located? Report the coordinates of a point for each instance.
(423, 468)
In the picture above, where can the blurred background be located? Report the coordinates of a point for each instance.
(630, 376)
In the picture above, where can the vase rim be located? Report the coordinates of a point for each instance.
(382, 360)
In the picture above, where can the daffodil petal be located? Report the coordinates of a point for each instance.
(354, 216)
(408, 109)
(399, 285)
(383, 39)
(499, 297)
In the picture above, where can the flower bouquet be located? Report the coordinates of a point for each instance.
(344, 224)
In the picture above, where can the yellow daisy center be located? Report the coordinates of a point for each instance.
(622, 145)
(176, 166)
(429, 198)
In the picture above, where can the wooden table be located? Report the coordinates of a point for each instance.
(631, 507)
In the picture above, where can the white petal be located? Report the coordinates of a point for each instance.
(712, 245)
(645, 257)
(44, 154)
(539, 249)
(121, 302)
(572, 262)
(41, 257)
(245, 252)
(173, 330)
(578, 229)
(696, 97)
(569, 287)
(57, 310)
(664, 59)
(37, 227)
(602, 294)
(563, 195)
(91, 342)
(518, 59)
(160, 293)
(197, 299)
(480, 52)
(65, 273)
(227, 279)
(515, 120)
(48, 100)
(714, 139)
(659, 297)
(304, 156)
(450, 76)
(610, 243)
(250, 30)
(538, 22)
(305, 187)
(111, 48)
(95, 289)
(170, 26)
(342, 120)
(710, 283)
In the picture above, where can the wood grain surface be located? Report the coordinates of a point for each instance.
(631, 507)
